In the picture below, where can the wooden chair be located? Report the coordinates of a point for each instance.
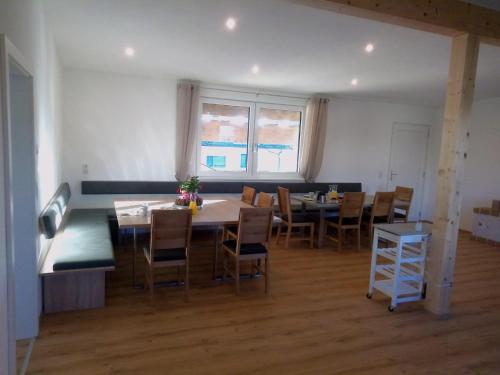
(288, 220)
(403, 196)
(265, 200)
(248, 195)
(251, 243)
(380, 212)
(169, 244)
(350, 216)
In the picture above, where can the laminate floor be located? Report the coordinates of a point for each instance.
(316, 320)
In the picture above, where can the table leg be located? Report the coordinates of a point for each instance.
(321, 228)
(216, 251)
(134, 283)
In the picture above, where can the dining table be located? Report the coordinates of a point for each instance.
(330, 207)
(216, 212)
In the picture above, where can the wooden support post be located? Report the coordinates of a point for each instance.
(454, 146)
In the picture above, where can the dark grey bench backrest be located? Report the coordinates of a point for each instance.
(212, 187)
(52, 215)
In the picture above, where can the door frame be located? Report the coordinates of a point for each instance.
(426, 158)
(7, 271)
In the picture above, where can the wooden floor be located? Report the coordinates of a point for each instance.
(315, 321)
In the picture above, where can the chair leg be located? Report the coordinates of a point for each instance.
(237, 275)
(186, 283)
(278, 235)
(225, 265)
(267, 275)
(339, 242)
(311, 236)
(359, 238)
(151, 283)
(288, 235)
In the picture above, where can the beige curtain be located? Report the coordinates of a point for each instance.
(188, 99)
(313, 138)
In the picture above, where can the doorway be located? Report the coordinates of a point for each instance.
(18, 207)
(408, 160)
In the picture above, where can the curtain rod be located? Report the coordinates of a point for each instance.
(258, 93)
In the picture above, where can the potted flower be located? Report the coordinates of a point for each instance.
(188, 191)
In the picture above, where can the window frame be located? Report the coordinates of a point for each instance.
(252, 151)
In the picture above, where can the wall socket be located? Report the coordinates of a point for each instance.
(85, 169)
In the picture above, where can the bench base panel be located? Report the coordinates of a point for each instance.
(74, 291)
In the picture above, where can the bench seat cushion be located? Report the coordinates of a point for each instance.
(85, 241)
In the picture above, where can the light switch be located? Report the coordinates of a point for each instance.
(85, 169)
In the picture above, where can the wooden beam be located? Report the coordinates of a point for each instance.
(447, 17)
(454, 146)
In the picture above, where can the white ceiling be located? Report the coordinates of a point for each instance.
(298, 48)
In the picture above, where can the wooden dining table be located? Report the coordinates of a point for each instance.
(326, 209)
(216, 212)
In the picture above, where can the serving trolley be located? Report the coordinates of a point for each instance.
(398, 270)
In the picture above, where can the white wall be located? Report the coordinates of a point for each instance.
(121, 126)
(482, 167)
(23, 22)
(358, 143)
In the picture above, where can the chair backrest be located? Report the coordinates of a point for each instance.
(284, 203)
(265, 200)
(404, 194)
(248, 195)
(170, 229)
(255, 225)
(352, 206)
(383, 204)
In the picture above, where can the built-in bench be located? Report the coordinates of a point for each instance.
(209, 187)
(80, 253)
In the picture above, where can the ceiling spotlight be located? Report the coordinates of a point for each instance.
(354, 82)
(231, 23)
(255, 69)
(129, 51)
(369, 47)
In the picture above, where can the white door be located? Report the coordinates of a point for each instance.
(18, 203)
(408, 160)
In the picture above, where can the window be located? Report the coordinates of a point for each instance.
(216, 161)
(278, 132)
(224, 132)
(247, 139)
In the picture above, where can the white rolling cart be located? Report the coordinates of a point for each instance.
(398, 270)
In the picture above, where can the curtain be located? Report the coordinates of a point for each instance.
(313, 138)
(188, 98)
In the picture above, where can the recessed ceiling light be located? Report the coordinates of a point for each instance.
(354, 82)
(231, 23)
(369, 47)
(255, 69)
(129, 51)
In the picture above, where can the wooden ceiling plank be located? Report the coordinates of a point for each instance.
(446, 17)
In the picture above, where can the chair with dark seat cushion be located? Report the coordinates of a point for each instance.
(247, 248)
(402, 198)
(380, 212)
(169, 244)
(250, 244)
(292, 220)
(168, 254)
(349, 218)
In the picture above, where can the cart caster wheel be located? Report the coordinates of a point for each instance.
(369, 295)
(391, 309)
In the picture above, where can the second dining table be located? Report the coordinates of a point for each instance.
(331, 206)
(217, 211)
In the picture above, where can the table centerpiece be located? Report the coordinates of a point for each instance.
(188, 191)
